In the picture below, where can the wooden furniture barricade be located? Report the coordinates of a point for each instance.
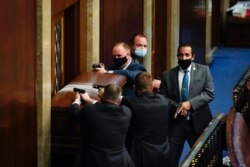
(65, 131)
(238, 138)
(229, 135)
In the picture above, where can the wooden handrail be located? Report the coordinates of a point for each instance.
(241, 93)
(207, 151)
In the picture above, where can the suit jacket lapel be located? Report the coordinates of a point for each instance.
(193, 75)
(176, 82)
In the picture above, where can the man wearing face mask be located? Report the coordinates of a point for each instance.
(139, 45)
(123, 65)
(189, 87)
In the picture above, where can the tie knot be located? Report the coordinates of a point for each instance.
(185, 71)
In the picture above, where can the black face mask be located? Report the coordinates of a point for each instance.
(184, 63)
(120, 61)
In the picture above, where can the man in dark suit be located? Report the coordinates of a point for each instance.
(149, 124)
(193, 114)
(105, 125)
(123, 65)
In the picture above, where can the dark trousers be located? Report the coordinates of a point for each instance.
(180, 131)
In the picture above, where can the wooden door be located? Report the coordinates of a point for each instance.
(18, 115)
(193, 26)
(65, 45)
(217, 23)
(159, 57)
(120, 20)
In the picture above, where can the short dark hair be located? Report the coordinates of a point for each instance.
(143, 81)
(185, 45)
(132, 40)
(112, 92)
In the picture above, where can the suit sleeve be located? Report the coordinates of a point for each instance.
(75, 111)
(131, 71)
(207, 93)
(164, 88)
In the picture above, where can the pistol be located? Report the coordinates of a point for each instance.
(79, 90)
(97, 86)
(98, 65)
(176, 112)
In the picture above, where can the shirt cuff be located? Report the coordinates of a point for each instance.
(110, 71)
(77, 102)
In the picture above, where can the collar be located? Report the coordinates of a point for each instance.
(124, 68)
(189, 68)
(145, 93)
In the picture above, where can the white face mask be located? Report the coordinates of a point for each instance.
(140, 52)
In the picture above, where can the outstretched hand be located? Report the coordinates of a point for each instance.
(100, 69)
(100, 92)
(184, 109)
(85, 97)
(77, 98)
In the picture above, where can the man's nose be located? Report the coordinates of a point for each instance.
(185, 57)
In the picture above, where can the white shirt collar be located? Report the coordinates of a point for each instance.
(124, 68)
(189, 68)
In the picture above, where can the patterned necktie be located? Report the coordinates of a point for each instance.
(184, 87)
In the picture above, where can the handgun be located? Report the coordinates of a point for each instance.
(177, 113)
(96, 66)
(177, 110)
(97, 86)
(79, 90)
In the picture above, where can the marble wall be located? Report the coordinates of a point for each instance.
(43, 81)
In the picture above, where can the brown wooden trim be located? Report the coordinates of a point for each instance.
(59, 6)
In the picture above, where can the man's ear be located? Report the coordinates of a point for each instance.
(193, 57)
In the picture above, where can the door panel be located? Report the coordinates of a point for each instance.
(120, 20)
(193, 26)
(18, 121)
